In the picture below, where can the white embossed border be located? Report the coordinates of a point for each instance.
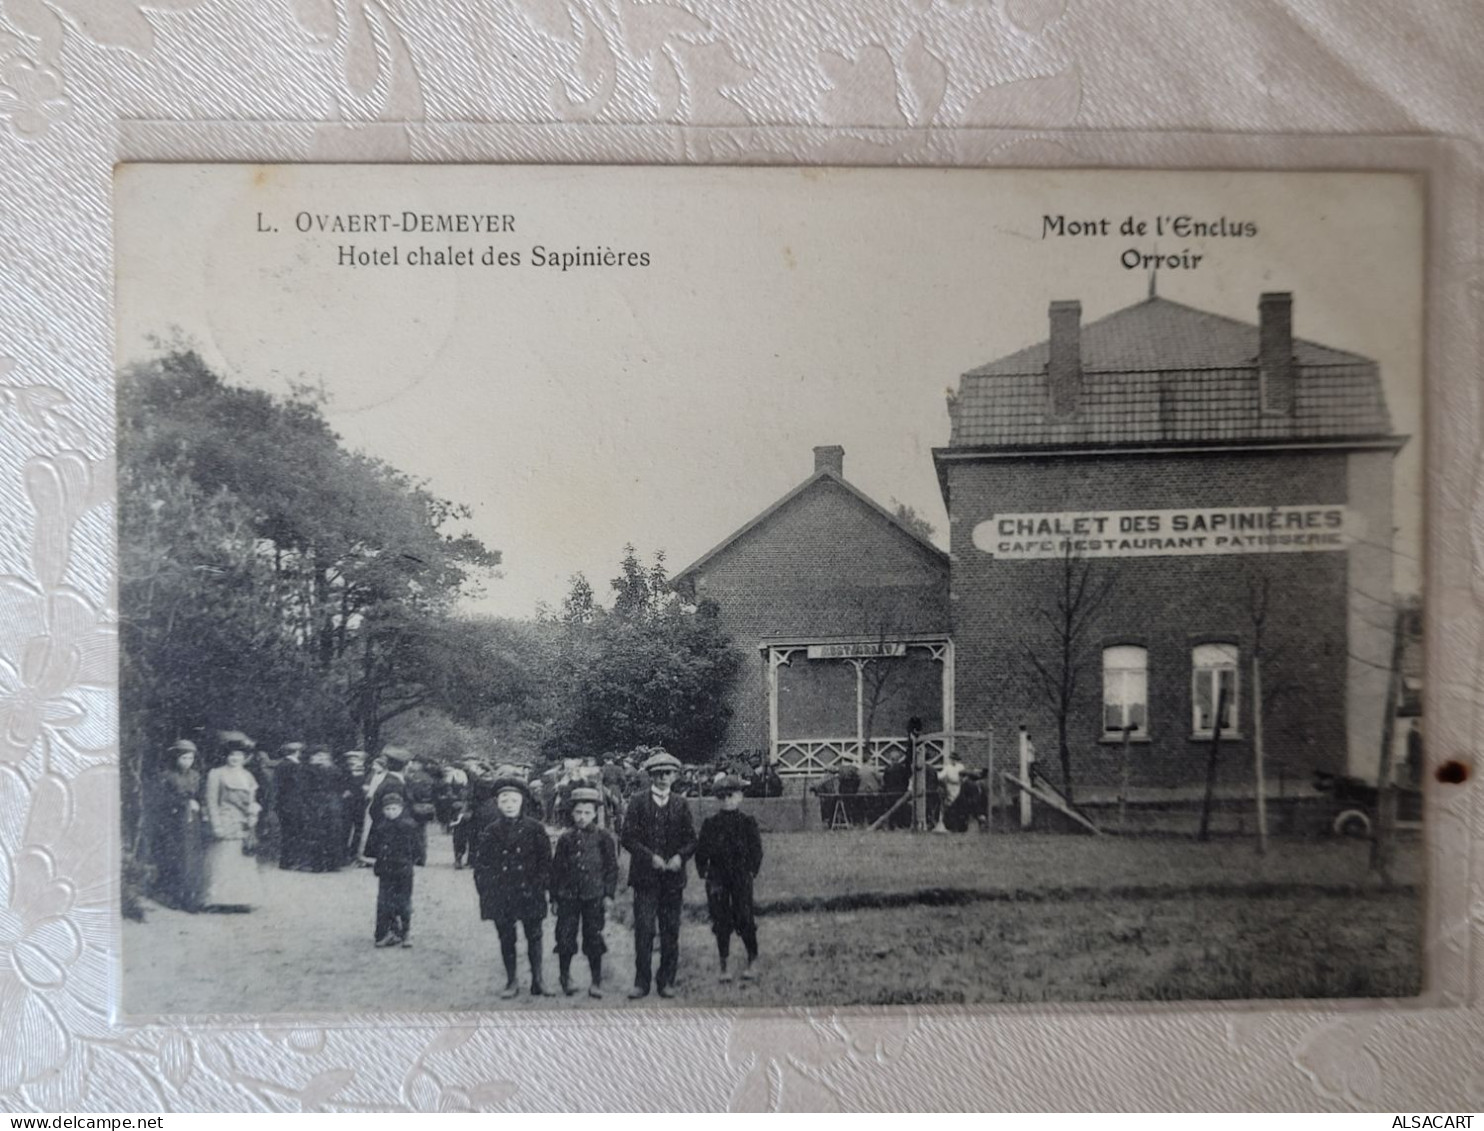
(58, 930)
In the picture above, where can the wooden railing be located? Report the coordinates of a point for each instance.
(814, 757)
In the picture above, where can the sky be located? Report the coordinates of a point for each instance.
(665, 405)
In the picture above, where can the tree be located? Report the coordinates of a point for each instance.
(195, 645)
(437, 738)
(651, 670)
(580, 605)
(1077, 594)
(271, 580)
(491, 674)
(1383, 839)
(908, 517)
(883, 619)
(1265, 665)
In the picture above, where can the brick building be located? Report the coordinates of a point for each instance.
(1199, 468)
(841, 613)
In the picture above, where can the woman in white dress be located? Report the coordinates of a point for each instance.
(232, 814)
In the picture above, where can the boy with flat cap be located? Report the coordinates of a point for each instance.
(729, 853)
(512, 873)
(584, 878)
(660, 836)
(393, 844)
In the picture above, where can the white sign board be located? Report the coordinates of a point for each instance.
(857, 651)
(1159, 533)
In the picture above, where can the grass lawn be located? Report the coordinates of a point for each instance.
(800, 868)
(1096, 950)
(884, 918)
(848, 918)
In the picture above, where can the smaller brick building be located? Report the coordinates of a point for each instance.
(841, 613)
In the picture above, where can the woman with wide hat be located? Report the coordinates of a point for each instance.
(232, 814)
(176, 830)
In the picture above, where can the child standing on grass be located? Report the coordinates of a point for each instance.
(394, 843)
(584, 878)
(729, 853)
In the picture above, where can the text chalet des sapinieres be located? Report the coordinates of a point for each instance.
(449, 252)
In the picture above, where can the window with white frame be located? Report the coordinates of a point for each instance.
(1126, 691)
(1213, 680)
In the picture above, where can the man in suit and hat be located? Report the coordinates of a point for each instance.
(353, 802)
(660, 836)
(512, 874)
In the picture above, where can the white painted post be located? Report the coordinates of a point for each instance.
(949, 721)
(773, 707)
(860, 711)
(1027, 756)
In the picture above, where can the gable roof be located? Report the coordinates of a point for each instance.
(824, 476)
(1162, 371)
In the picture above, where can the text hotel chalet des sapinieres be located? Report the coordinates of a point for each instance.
(405, 239)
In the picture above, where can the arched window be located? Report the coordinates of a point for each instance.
(1126, 691)
(1213, 674)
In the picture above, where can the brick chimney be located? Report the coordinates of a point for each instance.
(830, 457)
(1064, 366)
(1275, 365)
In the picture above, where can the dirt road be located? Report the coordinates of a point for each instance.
(307, 948)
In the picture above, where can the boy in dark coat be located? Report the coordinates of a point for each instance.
(729, 853)
(512, 873)
(660, 835)
(387, 776)
(393, 843)
(584, 878)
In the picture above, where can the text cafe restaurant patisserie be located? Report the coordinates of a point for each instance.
(1184, 487)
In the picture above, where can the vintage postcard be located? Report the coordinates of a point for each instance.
(612, 588)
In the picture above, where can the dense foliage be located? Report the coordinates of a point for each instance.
(274, 582)
(650, 670)
(270, 580)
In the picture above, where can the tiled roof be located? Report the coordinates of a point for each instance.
(1161, 371)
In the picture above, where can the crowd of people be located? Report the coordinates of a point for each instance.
(956, 798)
(532, 841)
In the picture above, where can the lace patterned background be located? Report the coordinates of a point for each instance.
(85, 82)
